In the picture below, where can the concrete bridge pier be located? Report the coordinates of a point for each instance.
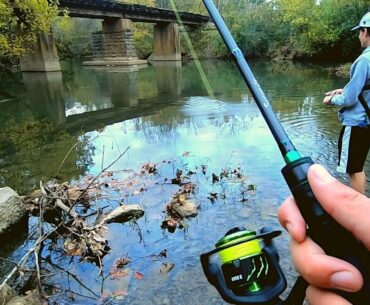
(167, 42)
(114, 46)
(44, 57)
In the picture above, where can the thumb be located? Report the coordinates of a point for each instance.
(348, 207)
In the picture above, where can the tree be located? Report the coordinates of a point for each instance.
(73, 36)
(20, 22)
(319, 28)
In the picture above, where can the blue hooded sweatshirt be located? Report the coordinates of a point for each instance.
(353, 113)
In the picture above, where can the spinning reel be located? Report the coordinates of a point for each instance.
(244, 268)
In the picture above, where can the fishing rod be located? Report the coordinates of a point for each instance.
(243, 271)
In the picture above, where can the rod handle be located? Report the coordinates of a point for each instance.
(325, 231)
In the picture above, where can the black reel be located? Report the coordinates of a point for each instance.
(244, 268)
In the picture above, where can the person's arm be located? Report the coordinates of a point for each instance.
(349, 208)
(329, 95)
(359, 77)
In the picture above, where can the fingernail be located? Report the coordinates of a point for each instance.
(321, 173)
(289, 228)
(343, 280)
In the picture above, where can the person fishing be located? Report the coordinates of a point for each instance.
(354, 138)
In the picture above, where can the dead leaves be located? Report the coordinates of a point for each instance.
(87, 242)
(117, 270)
(123, 262)
(107, 296)
(182, 204)
(117, 273)
(104, 202)
(138, 275)
(148, 168)
(180, 208)
(166, 267)
(74, 247)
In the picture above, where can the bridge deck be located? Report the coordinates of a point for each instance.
(101, 9)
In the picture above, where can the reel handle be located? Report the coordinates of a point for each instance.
(325, 231)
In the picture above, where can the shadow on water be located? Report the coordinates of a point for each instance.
(162, 112)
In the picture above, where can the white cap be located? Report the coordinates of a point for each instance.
(364, 22)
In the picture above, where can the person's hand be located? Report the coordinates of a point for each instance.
(349, 208)
(329, 95)
(327, 100)
(334, 92)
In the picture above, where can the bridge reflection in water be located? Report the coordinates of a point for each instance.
(91, 98)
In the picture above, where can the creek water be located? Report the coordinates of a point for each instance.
(163, 113)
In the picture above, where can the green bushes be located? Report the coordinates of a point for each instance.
(73, 36)
(293, 29)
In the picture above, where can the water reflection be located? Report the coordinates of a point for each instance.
(45, 94)
(162, 111)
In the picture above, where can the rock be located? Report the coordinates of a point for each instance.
(123, 213)
(184, 208)
(12, 209)
(24, 300)
(6, 294)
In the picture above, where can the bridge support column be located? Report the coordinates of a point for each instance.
(44, 58)
(114, 46)
(167, 42)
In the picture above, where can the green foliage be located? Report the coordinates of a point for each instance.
(287, 28)
(25, 166)
(319, 28)
(278, 28)
(143, 39)
(73, 36)
(20, 21)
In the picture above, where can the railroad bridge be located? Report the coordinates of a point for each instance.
(114, 45)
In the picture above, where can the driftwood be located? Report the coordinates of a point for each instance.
(123, 213)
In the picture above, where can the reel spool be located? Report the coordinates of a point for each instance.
(244, 267)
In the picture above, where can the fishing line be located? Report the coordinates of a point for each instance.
(199, 66)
